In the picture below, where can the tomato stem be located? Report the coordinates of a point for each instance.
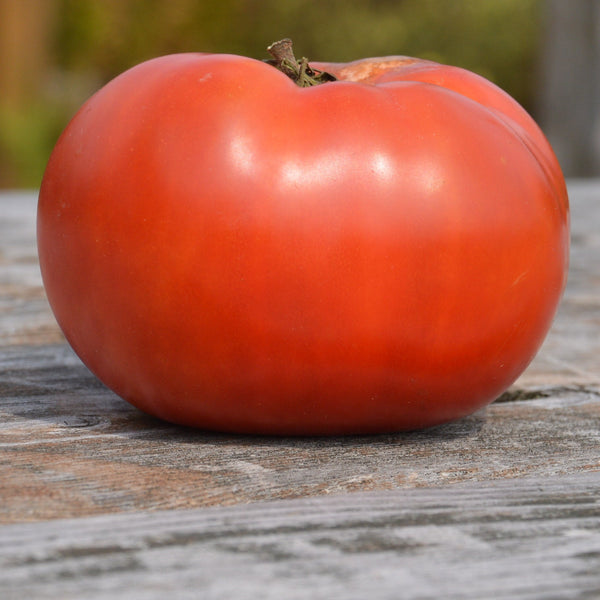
(299, 71)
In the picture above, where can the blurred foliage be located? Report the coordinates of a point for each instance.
(92, 41)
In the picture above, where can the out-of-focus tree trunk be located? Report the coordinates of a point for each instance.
(569, 102)
(25, 27)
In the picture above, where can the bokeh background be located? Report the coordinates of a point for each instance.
(56, 53)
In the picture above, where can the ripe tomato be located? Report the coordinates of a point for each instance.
(228, 250)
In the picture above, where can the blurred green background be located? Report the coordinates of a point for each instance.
(55, 53)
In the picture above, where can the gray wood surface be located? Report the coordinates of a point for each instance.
(537, 539)
(98, 500)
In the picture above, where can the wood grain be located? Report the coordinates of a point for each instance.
(71, 448)
(529, 539)
(25, 317)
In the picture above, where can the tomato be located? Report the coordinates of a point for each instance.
(228, 250)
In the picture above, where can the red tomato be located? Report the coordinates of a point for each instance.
(227, 250)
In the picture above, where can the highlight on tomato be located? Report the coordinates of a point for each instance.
(303, 248)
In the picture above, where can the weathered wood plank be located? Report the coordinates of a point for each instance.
(69, 447)
(527, 539)
(25, 317)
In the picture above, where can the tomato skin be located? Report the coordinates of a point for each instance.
(226, 250)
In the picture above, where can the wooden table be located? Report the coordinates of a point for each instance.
(99, 501)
